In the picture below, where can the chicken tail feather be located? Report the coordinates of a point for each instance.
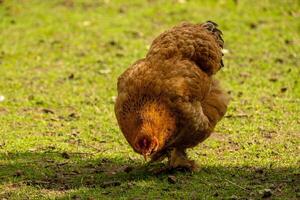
(213, 27)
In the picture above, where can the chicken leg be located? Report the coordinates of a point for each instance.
(178, 159)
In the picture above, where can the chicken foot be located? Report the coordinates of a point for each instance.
(178, 159)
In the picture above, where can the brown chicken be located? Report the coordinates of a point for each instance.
(169, 101)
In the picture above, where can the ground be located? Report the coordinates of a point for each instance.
(59, 63)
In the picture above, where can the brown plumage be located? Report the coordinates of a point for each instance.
(169, 101)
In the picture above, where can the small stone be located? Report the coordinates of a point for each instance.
(171, 179)
(267, 193)
(104, 71)
(181, 1)
(225, 51)
(86, 23)
(2, 98)
(113, 99)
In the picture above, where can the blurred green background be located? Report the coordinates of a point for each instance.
(59, 63)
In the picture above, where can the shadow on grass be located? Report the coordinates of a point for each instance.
(116, 177)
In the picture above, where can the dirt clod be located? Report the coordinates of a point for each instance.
(279, 60)
(113, 43)
(18, 173)
(273, 79)
(245, 74)
(128, 169)
(71, 76)
(75, 197)
(288, 42)
(47, 111)
(73, 116)
(283, 89)
(253, 25)
(65, 155)
(259, 171)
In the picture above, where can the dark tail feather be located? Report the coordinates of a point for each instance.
(212, 27)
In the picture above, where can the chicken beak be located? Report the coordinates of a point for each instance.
(145, 157)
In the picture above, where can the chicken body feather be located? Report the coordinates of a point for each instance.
(170, 99)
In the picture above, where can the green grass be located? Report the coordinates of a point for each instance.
(59, 62)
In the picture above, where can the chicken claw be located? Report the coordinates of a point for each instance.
(178, 159)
